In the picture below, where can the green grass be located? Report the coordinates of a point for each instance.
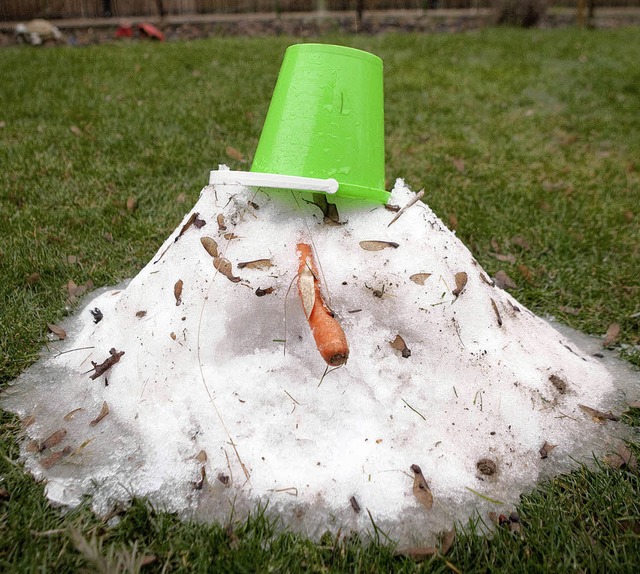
(546, 123)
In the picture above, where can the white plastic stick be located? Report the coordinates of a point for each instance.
(249, 178)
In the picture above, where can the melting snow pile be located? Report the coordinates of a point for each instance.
(186, 392)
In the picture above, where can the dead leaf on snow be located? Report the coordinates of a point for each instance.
(53, 439)
(57, 331)
(503, 281)
(399, 344)
(177, 291)
(546, 448)
(461, 280)
(329, 210)
(256, 264)
(559, 383)
(378, 245)
(421, 488)
(497, 312)
(186, 226)
(224, 266)
(624, 457)
(230, 236)
(262, 292)
(201, 456)
(234, 153)
(486, 280)
(420, 278)
(221, 224)
(200, 482)
(140, 314)
(391, 207)
(599, 416)
(224, 479)
(28, 421)
(612, 334)
(354, 504)
(54, 457)
(69, 416)
(210, 245)
(104, 411)
(199, 223)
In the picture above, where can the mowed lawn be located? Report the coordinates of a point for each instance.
(526, 142)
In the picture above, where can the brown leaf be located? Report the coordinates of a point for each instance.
(392, 207)
(221, 224)
(106, 364)
(354, 504)
(57, 331)
(378, 245)
(173, 335)
(521, 242)
(329, 210)
(199, 223)
(201, 457)
(140, 314)
(624, 457)
(421, 488)
(256, 264)
(224, 479)
(420, 278)
(4, 494)
(612, 334)
(262, 292)
(72, 259)
(486, 280)
(399, 344)
(230, 236)
(461, 281)
(104, 411)
(526, 273)
(181, 197)
(74, 291)
(187, 225)
(559, 383)
(200, 482)
(76, 131)
(506, 258)
(33, 278)
(54, 457)
(69, 416)
(177, 291)
(53, 439)
(546, 448)
(599, 416)
(224, 266)
(234, 153)
(458, 163)
(29, 420)
(453, 221)
(448, 538)
(503, 281)
(132, 204)
(497, 312)
(210, 245)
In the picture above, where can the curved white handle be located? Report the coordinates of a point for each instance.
(227, 177)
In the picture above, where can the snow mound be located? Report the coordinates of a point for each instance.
(209, 412)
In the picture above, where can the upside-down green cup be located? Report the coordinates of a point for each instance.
(326, 120)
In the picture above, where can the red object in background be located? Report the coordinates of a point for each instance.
(151, 31)
(124, 31)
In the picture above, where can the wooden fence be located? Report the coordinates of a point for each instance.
(11, 10)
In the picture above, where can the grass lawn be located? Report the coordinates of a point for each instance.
(527, 142)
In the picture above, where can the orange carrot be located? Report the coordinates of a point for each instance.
(327, 332)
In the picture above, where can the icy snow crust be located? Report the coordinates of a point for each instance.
(212, 374)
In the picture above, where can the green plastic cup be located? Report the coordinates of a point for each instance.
(326, 120)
